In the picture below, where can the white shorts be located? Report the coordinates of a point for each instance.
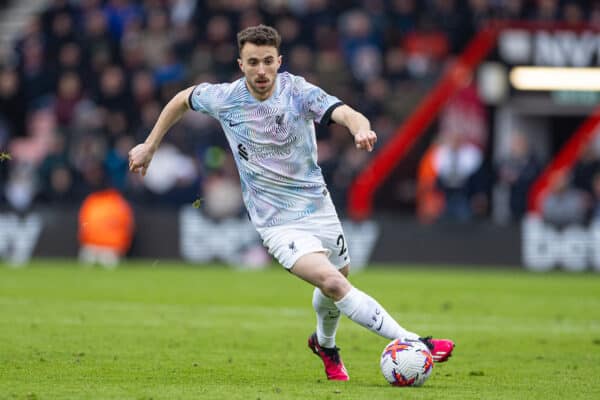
(319, 232)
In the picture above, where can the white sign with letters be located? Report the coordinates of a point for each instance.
(18, 237)
(575, 248)
(204, 240)
(554, 49)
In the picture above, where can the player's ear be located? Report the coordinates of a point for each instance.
(240, 64)
(279, 60)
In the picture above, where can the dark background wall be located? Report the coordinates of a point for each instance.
(159, 233)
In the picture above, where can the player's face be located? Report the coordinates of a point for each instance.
(260, 65)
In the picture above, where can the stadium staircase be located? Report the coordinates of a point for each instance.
(13, 18)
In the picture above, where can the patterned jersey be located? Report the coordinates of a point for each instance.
(273, 142)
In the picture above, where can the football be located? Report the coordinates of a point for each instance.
(406, 363)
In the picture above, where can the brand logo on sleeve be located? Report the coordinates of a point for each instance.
(242, 151)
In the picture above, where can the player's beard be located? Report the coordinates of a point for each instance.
(262, 89)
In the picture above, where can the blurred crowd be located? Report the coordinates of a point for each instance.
(88, 79)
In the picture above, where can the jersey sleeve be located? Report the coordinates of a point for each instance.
(316, 104)
(208, 98)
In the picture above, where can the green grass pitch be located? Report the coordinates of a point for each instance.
(160, 330)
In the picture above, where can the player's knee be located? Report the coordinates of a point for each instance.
(335, 286)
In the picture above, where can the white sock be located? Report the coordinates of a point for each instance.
(328, 317)
(366, 311)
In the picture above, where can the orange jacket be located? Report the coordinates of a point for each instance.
(106, 220)
(430, 201)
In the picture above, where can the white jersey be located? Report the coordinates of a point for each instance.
(273, 143)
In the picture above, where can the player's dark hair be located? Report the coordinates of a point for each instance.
(260, 35)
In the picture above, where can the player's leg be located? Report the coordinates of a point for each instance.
(287, 244)
(325, 270)
(361, 308)
(292, 243)
(328, 315)
(322, 341)
(329, 231)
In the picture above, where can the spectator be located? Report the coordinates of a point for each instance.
(55, 10)
(451, 18)
(289, 28)
(119, 14)
(595, 206)
(512, 10)
(36, 78)
(429, 197)
(71, 60)
(12, 102)
(156, 39)
(545, 10)
(564, 205)
(182, 12)
(585, 168)
(19, 190)
(357, 34)
(403, 19)
(132, 55)
(149, 112)
(68, 96)
(515, 173)
(62, 32)
(222, 194)
(170, 71)
(480, 12)
(573, 14)
(395, 65)
(116, 163)
(456, 162)
(172, 179)
(97, 38)
(56, 179)
(595, 14)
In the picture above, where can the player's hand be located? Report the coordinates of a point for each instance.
(140, 157)
(365, 140)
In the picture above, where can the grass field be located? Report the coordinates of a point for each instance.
(171, 331)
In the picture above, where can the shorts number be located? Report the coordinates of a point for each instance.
(341, 242)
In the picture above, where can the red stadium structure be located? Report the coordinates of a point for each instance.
(362, 191)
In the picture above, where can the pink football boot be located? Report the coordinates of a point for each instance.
(441, 349)
(334, 367)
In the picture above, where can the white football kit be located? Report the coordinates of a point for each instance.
(275, 150)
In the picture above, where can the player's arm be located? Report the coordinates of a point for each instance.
(358, 125)
(141, 155)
